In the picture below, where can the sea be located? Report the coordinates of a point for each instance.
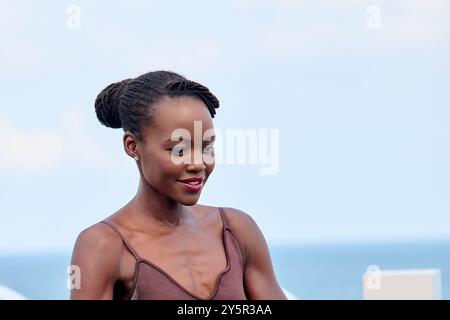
(311, 272)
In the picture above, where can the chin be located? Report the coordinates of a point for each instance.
(187, 202)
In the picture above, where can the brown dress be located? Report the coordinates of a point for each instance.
(152, 283)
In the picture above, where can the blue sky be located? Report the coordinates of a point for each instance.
(363, 113)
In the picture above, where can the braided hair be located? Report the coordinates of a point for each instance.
(129, 103)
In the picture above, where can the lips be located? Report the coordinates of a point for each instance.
(192, 181)
(192, 184)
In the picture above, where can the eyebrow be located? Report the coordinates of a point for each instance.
(212, 139)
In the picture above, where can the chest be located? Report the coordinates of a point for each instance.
(193, 261)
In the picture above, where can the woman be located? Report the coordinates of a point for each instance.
(162, 244)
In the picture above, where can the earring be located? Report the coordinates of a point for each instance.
(136, 158)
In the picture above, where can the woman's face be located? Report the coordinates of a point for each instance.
(166, 159)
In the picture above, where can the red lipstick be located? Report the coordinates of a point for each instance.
(193, 184)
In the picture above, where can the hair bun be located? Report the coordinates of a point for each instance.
(107, 104)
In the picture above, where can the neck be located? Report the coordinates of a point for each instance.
(151, 208)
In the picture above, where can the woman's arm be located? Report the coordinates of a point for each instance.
(259, 277)
(95, 262)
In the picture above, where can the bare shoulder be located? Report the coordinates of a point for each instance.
(259, 277)
(98, 244)
(99, 237)
(97, 254)
(239, 220)
(245, 230)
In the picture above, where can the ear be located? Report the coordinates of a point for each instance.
(130, 144)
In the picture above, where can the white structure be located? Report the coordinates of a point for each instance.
(9, 294)
(402, 284)
(289, 295)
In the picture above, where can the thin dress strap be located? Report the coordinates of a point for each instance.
(224, 218)
(125, 241)
(227, 226)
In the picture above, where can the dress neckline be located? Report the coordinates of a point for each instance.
(218, 281)
(174, 281)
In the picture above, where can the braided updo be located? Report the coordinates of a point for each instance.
(129, 103)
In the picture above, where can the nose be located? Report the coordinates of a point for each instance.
(196, 162)
(196, 167)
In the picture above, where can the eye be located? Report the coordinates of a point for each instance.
(180, 151)
(208, 147)
(177, 151)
